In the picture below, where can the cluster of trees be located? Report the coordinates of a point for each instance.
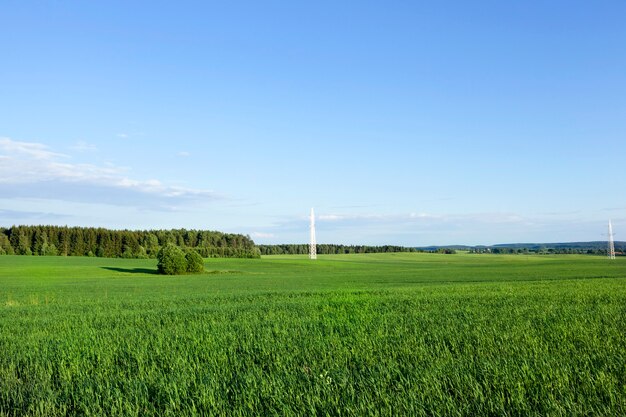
(326, 249)
(89, 241)
(447, 251)
(172, 260)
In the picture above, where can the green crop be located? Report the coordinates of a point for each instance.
(346, 335)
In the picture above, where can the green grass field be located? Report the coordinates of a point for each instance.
(379, 334)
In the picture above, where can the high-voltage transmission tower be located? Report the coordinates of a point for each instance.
(611, 249)
(312, 242)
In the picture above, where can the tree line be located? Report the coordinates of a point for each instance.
(101, 242)
(328, 249)
(548, 251)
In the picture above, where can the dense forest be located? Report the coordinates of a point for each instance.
(325, 249)
(89, 241)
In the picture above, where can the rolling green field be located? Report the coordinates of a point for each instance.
(378, 334)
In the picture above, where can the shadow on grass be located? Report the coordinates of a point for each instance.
(131, 270)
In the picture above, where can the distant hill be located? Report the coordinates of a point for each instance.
(594, 247)
(561, 245)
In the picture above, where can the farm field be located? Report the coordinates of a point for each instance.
(377, 334)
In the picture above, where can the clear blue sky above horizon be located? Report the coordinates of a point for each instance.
(400, 122)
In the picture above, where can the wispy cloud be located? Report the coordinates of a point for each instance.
(31, 216)
(37, 151)
(262, 235)
(622, 209)
(420, 228)
(82, 146)
(129, 135)
(414, 217)
(184, 154)
(33, 170)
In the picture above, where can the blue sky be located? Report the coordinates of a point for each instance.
(400, 122)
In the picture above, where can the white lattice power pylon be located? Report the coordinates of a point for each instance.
(611, 248)
(312, 242)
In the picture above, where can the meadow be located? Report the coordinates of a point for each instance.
(346, 335)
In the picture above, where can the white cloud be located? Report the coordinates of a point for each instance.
(31, 150)
(184, 154)
(82, 146)
(123, 135)
(33, 170)
(331, 217)
(353, 217)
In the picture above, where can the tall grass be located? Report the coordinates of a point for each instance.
(408, 334)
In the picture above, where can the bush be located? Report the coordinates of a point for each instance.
(195, 263)
(171, 260)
